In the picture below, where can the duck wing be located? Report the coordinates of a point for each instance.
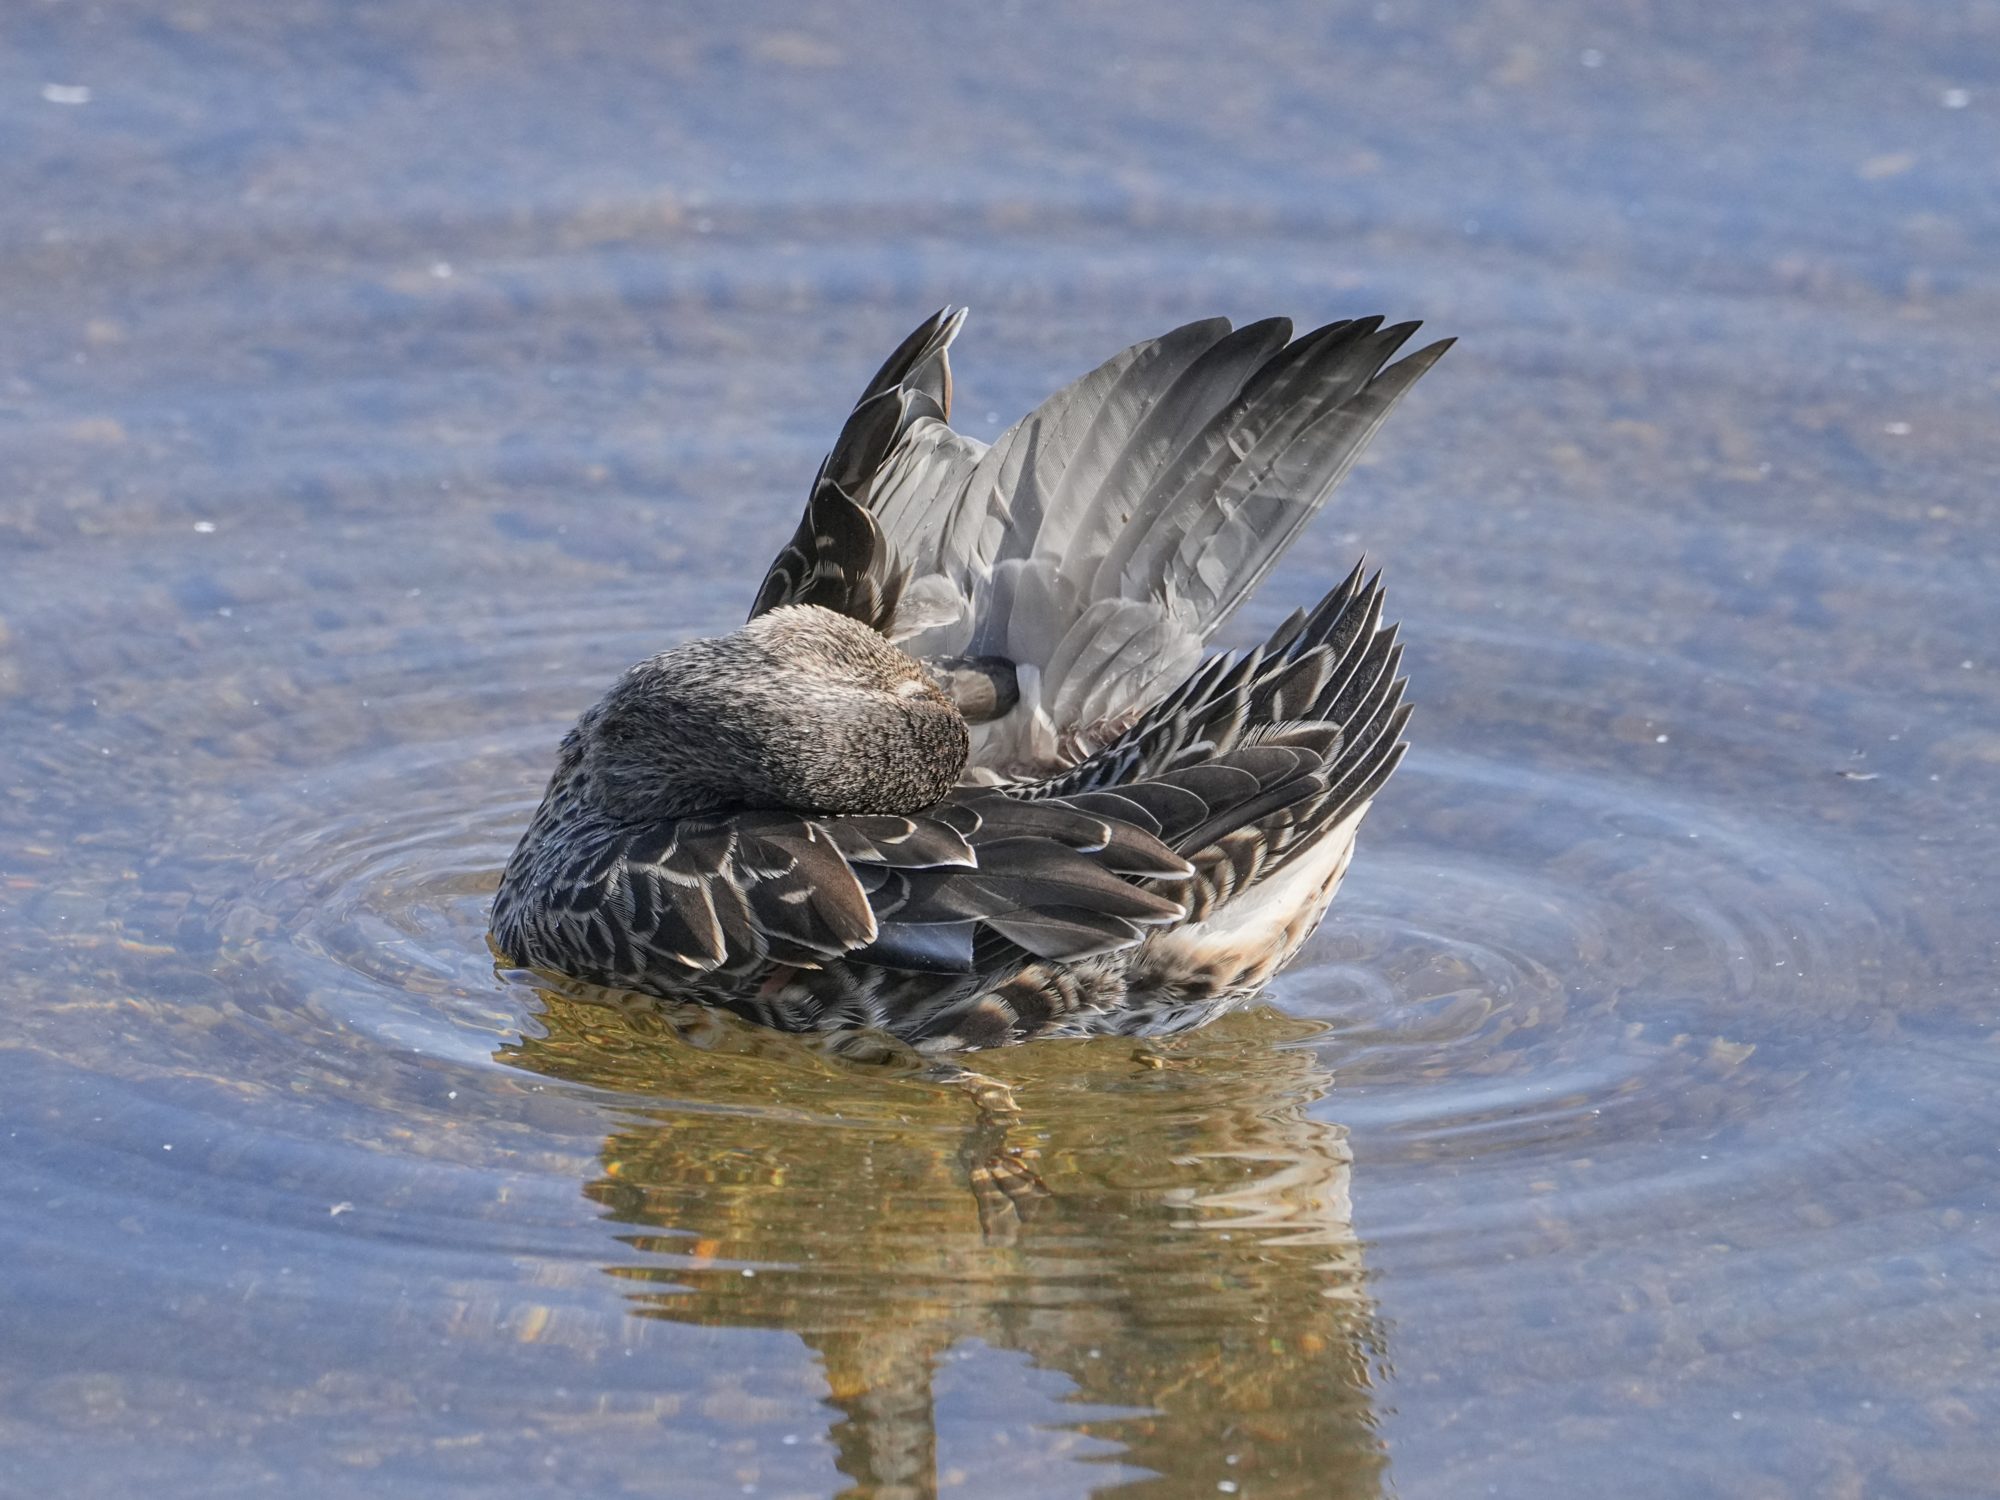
(985, 881)
(1100, 541)
(848, 554)
(683, 899)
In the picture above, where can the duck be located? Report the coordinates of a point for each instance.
(969, 774)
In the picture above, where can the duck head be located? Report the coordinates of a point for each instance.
(801, 708)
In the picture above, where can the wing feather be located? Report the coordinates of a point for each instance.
(1101, 540)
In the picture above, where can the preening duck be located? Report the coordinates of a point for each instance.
(966, 776)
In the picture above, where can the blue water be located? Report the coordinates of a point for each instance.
(376, 382)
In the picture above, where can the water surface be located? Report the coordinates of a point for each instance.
(376, 383)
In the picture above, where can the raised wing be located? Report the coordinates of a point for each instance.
(895, 442)
(1099, 543)
(1199, 464)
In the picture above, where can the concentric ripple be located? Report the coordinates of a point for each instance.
(1531, 959)
(1571, 1007)
(381, 380)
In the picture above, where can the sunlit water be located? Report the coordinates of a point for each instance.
(379, 383)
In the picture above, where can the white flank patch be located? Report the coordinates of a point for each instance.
(1266, 924)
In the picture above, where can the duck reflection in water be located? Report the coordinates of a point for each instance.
(1165, 1224)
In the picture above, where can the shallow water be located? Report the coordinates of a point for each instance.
(378, 382)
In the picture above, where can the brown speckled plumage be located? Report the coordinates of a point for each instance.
(796, 820)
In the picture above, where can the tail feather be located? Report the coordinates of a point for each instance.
(1324, 689)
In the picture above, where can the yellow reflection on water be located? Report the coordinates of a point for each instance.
(1165, 1224)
